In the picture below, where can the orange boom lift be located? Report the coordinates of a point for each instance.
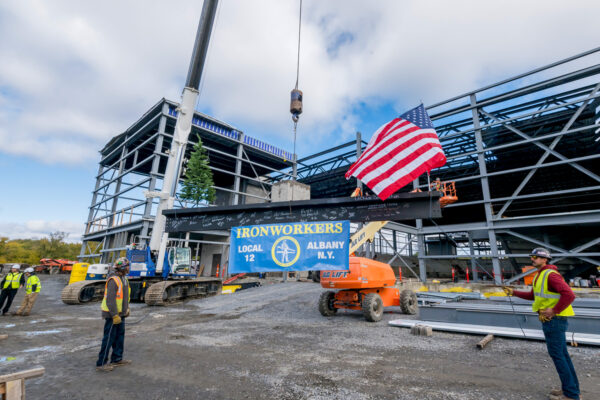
(368, 285)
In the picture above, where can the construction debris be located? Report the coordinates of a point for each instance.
(12, 386)
(483, 342)
(421, 330)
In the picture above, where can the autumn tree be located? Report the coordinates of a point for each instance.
(30, 251)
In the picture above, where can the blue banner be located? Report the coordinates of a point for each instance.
(295, 246)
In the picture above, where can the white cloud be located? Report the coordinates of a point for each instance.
(74, 74)
(38, 229)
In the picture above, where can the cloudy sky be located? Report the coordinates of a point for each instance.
(73, 74)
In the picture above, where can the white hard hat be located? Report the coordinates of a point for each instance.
(16, 266)
(29, 270)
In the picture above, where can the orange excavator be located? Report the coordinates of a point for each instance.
(368, 285)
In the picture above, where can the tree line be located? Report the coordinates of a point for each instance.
(30, 251)
(197, 188)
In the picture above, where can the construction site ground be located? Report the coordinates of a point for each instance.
(270, 342)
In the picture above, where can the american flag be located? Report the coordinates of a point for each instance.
(398, 153)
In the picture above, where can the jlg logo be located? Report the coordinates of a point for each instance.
(334, 274)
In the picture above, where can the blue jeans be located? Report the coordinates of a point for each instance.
(554, 331)
(8, 295)
(114, 336)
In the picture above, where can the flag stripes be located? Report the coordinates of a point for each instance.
(398, 153)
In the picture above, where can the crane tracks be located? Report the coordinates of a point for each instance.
(83, 292)
(166, 292)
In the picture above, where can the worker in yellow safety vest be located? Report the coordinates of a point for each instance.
(32, 287)
(10, 286)
(552, 299)
(115, 308)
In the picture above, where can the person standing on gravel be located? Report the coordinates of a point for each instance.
(32, 287)
(115, 308)
(552, 299)
(10, 286)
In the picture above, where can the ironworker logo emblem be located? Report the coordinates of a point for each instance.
(285, 251)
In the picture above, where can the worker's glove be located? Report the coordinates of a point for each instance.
(547, 313)
(126, 313)
(116, 320)
(543, 318)
(509, 291)
(33, 288)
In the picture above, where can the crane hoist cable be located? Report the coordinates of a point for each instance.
(296, 94)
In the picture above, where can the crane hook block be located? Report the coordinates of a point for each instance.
(296, 104)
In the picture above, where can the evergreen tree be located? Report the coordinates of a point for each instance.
(198, 181)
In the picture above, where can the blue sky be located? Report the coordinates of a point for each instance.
(74, 74)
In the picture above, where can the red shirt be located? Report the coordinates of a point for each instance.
(557, 284)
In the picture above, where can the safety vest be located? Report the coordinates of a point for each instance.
(33, 280)
(12, 280)
(119, 294)
(544, 298)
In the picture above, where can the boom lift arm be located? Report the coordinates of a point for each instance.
(365, 234)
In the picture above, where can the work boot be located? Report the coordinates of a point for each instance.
(561, 397)
(25, 315)
(105, 368)
(556, 392)
(120, 363)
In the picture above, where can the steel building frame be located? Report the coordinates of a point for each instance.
(523, 153)
(134, 162)
(551, 115)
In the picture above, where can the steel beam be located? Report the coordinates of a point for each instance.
(583, 247)
(522, 142)
(551, 147)
(573, 218)
(398, 207)
(544, 147)
(523, 75)
(532, 334)
(586, 320)
(552, 247)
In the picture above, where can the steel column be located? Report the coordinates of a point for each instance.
(420, 243)
(473, 261)
(485, 188)
(238, 171)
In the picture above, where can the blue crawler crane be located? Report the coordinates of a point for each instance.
(176, 281)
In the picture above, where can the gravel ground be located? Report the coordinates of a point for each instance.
(270, 343)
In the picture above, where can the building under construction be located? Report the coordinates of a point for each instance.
(523, 154)
(133, 163)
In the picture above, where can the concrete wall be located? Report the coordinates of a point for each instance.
(207, 252)
(255, 189)
(290, 190)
